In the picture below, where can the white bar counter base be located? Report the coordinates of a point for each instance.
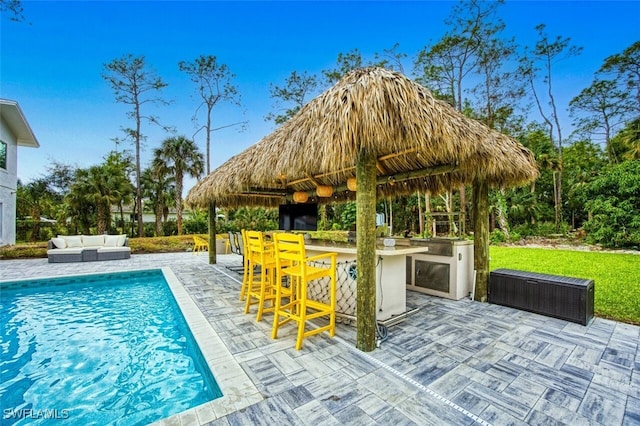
(391, 266)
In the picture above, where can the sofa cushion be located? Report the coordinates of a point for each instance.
(59, 243)
(121, 240)
(72, 240)
(74, 250)
(111, 240)
(93, 240)
(113, 249)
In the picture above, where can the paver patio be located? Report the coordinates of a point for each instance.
(450, 362)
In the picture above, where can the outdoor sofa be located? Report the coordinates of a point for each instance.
(88, 248)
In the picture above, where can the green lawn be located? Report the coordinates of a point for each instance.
(616, 276)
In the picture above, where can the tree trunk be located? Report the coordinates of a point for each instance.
(390, 215)
(158, 214)
(502, 214)
(463, 208)
(430, 225)
(366, 257)
(557, 197)
(35, 229)
(104, 215)
(481, 238)
(121, 209)
(420, 216)
(179, 201)
(212, 234)
(138, 138)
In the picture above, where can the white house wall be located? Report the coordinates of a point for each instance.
(8, 183)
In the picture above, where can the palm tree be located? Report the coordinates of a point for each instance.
(33, 199)
(101, 186)
(158, 187)
(180, 156)
(120, 167)
(630, 140)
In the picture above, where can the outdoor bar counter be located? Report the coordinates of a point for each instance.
(391, 290)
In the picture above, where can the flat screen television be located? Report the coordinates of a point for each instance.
(298, 217)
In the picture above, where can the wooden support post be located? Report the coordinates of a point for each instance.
(212, 233)
(481, 238)
(366, 247)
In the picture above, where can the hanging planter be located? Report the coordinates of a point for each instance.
(352, 184)
(324, 191)
(300, 197)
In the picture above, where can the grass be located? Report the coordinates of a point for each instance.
(616, 275)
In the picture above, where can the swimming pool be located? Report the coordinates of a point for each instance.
(107, 348)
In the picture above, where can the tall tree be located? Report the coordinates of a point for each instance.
(498, 92)
(137, 86)
(181, 157)
(598, 110)
(346, 62)
(13, 8)
(214, 85)
(626, 67)
(540, 61)
(627, 141)
(471, 47)
(294, 94)
(214, 82)
(445, 65)
(391, 58)
(119, 166)
(583, 162)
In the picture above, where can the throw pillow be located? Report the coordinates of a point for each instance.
(93, 240)
(59, 242)
(111, 240)
(73, 241)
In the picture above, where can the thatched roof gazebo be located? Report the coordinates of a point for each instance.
(394, 137)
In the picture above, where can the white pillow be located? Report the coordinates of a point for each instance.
(59, 242)
(121, 240)
(72, 241)
(92, 240)
(111, 240)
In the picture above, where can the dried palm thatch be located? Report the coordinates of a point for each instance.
(420, 143)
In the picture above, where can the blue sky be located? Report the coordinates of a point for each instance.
(52, 63)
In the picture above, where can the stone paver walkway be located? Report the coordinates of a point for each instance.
(449, 363)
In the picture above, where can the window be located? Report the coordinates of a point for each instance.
(3, 155)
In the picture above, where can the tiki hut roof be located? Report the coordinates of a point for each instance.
(420, 143)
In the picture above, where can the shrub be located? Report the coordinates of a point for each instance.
(497, 236)
(614, 202)
(169, 227)
(197, 225)
(514, 236)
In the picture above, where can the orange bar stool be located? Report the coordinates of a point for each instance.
(291, 262)
(260, 288)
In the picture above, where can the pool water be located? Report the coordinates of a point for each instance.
(98, 349)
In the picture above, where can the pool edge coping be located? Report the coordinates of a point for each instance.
(238, 390)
